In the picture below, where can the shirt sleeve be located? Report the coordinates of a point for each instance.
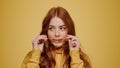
(32, 59)
(76, 62)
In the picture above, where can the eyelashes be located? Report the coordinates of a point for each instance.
(60, 28)
(51, 28)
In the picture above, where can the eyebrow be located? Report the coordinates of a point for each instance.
(59, 26)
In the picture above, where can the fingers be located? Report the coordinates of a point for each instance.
(72, 38)
(39, 42)
(73, 42)
(40, 39)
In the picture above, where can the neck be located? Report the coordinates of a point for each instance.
(58, 49)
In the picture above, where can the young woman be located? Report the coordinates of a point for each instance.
(56, 46)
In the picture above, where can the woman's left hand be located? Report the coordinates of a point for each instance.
(74, 43)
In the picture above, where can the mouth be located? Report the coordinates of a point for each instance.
(57, 40)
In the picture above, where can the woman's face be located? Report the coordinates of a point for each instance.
(57, 32)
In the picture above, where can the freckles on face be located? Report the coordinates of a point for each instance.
(57, 32)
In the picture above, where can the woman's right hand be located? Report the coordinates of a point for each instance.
(39, 41)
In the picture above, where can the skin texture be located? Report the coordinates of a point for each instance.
(57, 32)
(58, 35)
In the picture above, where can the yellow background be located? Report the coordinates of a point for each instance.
(97, 24)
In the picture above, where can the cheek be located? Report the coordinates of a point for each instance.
(50, 34)
(64, 34)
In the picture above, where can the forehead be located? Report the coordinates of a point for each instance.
(56, 21)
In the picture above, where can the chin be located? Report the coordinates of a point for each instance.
(57, 45)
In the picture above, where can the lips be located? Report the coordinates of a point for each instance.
(57, 40)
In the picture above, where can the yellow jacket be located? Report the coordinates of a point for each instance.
(32, 60)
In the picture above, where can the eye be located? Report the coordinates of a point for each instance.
(51, 28)
(62, 28)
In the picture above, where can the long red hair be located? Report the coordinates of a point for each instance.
(47, 59)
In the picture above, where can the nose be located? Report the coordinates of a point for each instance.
(57, 34)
